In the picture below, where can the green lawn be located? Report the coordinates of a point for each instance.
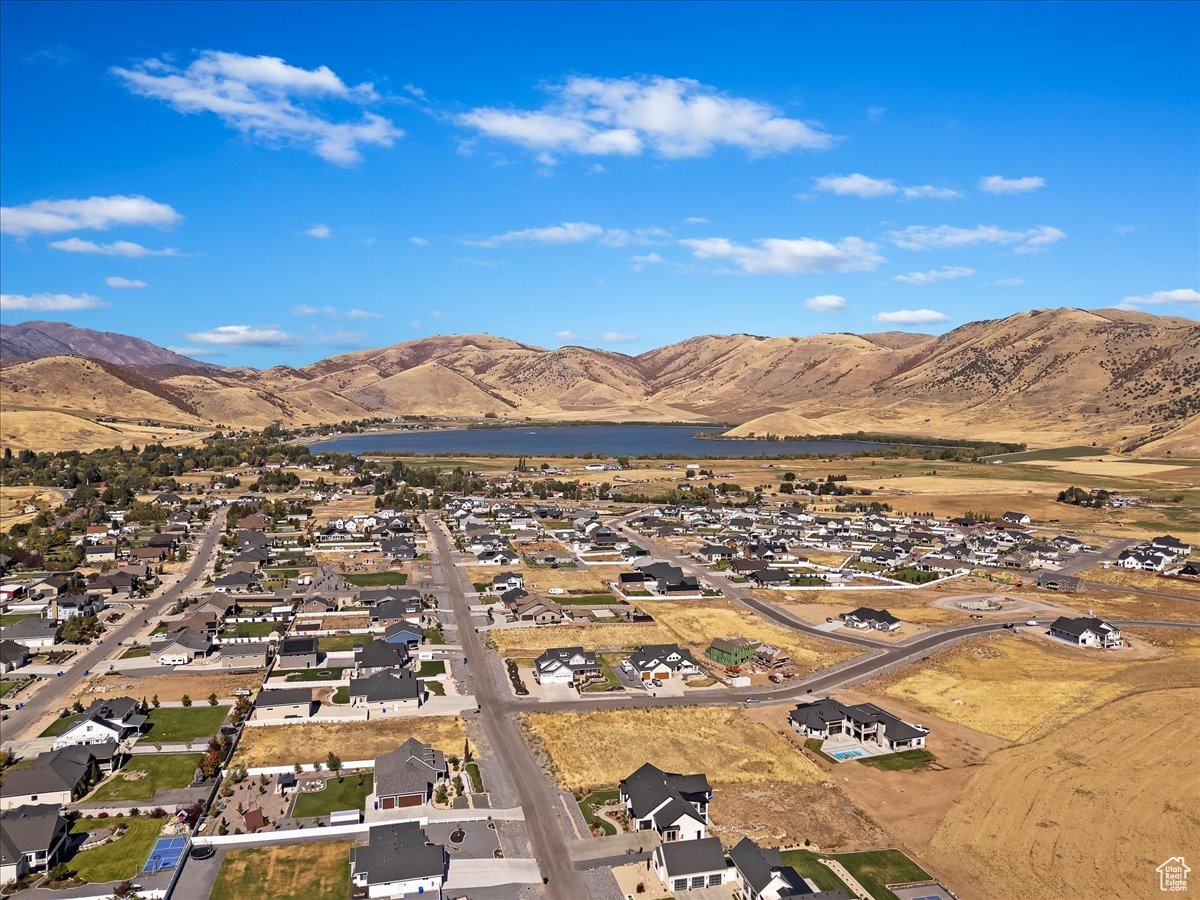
(906, 759)
(610, 678)
(135, 653)
(434, 636)
(179, 723)
(377, 579)
(877, 868)
(6, 686)
(14, 618)
(332, 642)
(815, 746)
(436, 688)
(476, 778)
(587, 600)
(429, 668)
(122, 858)
(806, 863)
(346, 794)
(341, 695)
(330, 674)
(251, 629)
(283, 573)
(58, 726)
(164, 772)
(914, 576)
(591, 802)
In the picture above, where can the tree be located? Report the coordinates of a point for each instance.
(154, 701)
(186, 700)
(333, 763)
(212, 699)
(467, 751)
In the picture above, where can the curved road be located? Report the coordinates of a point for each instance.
(49, 694)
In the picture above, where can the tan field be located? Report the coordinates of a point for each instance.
(1110, 467)
(1088, 810)
(1020, 686)
(312, 871)
(763, 785)
(1146, 581)
(534, 641)
(694, 625)
(167, 687)
(1117, 605)
(15, 498)
(538, 580)
(287, 744)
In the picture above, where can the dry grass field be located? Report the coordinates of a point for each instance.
(1146, 581)
(309, 871)
(287, 744)
(1088, 810)
(538, 580)
(763, 785)
(15, 498)
(167, 687)
(694, 625)
(1118, 605)
(534, 641)
(1020, 686)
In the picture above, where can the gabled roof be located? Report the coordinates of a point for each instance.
(650, 787)
(380, 655)
(693, 857)
(1080, 625)
(761, 865)
(398, 852)
(28, 829)
(387, 685)
(283, 697)
(411, 768)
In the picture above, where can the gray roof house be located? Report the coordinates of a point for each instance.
(31, 838)
(398, 861)
(12, 655)
(761, 874)
(377, 656)
(864, 722)
(395, 687)
(33, 633)
(408, 775)
(684, 865)
(1086, 632)
(674, 805)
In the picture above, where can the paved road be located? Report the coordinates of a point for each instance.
(48, 695)
(546, 838)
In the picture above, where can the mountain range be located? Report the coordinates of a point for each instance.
(1045, 377)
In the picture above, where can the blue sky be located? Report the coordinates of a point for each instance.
(275, 183)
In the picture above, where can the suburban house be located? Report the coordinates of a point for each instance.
(770, 577)
(508, 581)
(736, 651)
(1016, 518)
(181, 647)
(684, 865)
(864, 722)
(565, 665)
(250, 655)
(36, 634)
(1051, 581)
(387, 612)
(675, 806)
(379, 656)
(663, 661)
(116, 720)
(1086, 632)
(390, 689)
(297, 653)
(284, 703)
(12, 656)
(538, 611)
(408, 775)
(865, 617)
(761, 874)
(32, 838)
(59, 776)
(714, 553)
(403, 634)
(399, 861)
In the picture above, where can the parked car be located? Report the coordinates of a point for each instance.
(1033, 621)
(775, 679)
(656, 682)
(555, 592)
(751, 701)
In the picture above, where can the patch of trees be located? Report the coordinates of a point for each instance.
(1078, 496)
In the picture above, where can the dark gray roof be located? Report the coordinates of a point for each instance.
(867, 614)
(759, 865)
(1079, 625)
(12, 652)
(411, 768)
(380, 655)
(59, 770)
(31, 628)
(398, 852)
(387, 685)
(819, 713)
(649, 787)
(28, 828)
(297, 646)
(283, 697)
(693, 857)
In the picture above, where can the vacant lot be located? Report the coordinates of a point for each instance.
(1017, 686)
(695, 625)
(1087, 805)
(178, 723)
(168, 687)
(1147, 581)
(287, 744)
(122, 858)
(533, 641)
(144, 776)
(763, 785)
(318, 871)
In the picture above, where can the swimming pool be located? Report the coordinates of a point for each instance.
(852, 753)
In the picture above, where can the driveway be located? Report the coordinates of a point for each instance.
(468, 874)
(559, 692)
(672, 687)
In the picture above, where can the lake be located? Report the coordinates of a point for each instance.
(612, 440)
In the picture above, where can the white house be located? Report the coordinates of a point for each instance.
(673, 805)
(399, 861)
(1086, 632)
(686, 865)
(663, 661)
(565, 665)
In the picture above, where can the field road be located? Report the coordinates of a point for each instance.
(547, 840)
(48, 696)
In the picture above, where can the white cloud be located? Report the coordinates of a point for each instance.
(98, 213)
(860, 185)
(945, 273)
(875, 113)
(117, 248)
(998, 184)
(696, 220)
(930, 237)
(593, 169)
(205, 352)
(574, 233)
(616, 337)
(670, 117)
(419, 241)
(118, 282)
(565, 335)
(647, 259)
(340, 337)
(1010, 282)
(911, 317)
(826, 303)
(49, 302)
(363, 314)
(1179, 295)
(244, 336)
(267, 99)
(303, 309)
(807, 256)
(319, 231)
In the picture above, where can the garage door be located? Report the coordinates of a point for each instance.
(409, 800)
(389, 803)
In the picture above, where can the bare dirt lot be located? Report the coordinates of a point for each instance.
(1018, 686)
(534, 641)
(694, 624)
(167, 687)
(1088, 810)
(763, 785)
(288, 744)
